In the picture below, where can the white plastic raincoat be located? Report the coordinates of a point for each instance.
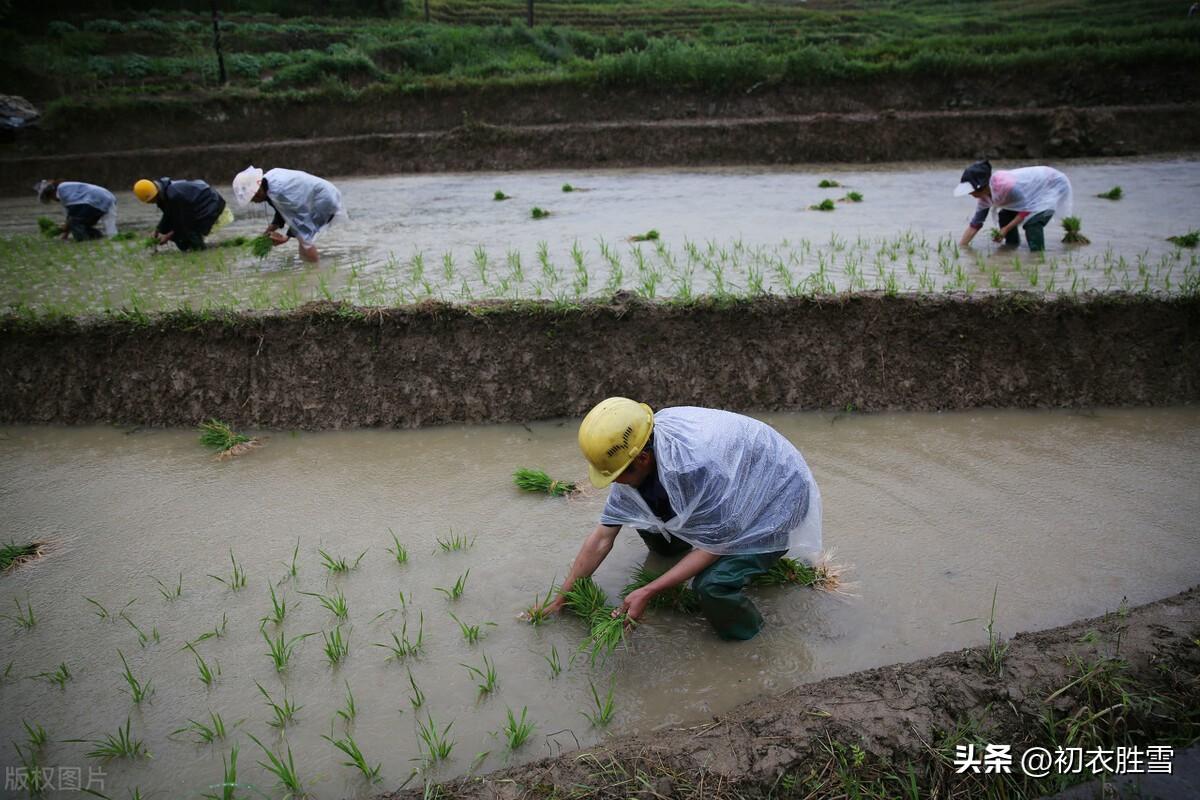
(1031, 190)
(307, 203)
(71, 193)
(736, 485)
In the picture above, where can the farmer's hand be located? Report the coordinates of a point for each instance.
(634, 604)
(553, 607)
(276, 238)
(163, 238)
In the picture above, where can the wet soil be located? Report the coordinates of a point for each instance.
(327, 366)
(892, 713)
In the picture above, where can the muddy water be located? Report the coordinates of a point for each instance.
(1065, 513)
(742, 220)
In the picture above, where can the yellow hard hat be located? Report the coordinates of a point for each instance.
(611, 435)
(145, 190)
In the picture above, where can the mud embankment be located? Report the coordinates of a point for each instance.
(340, 367)
(1126, 679)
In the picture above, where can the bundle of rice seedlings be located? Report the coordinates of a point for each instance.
(1071, 225)
(261, 246)
(824, 205)
(852, 197)
(997, 236)
(534, 480)
(1189, 239)
(651, 235)
(588, 601)
(499, 195)
(538, 213)
(13, 555)
(823, 575)
(220, 437)
(49, 227)
(827, 183)
(1112, 194)
(679, 598)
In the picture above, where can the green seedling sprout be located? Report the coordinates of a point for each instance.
(472, 633)
(398, 551)
(170, 593)
(335, 565)
(1073, 236)
(1189, 239)
(143, 637)
(58, 677)
(455, 591)
(205, 732)
(281, 649)
(357, 761)
(278, 608)
(651, 235)
(13, 555)
(499, 195)
(229, 781)
(1114, 193)
(217, 435)
(121, 745)
(485, 675)
(535, 480)
(137, 690)
(604, 708)
(554, 662)
(402, 648)
(826, 183)
(99, 610)
(24, 618)
(997, 648)
(337, 647)
(208, 675)
(417, 698)
(517, 732)
(291, 568)
(237, 580)
(437, 746)
(454, 543)
(335, 603)
(537, 613)
(538, 213)
(35, 735)
(261, 246)
(351, 710)
(6, 675)
(282, 767)
(825, 205)
(216, 633)
(284, 713)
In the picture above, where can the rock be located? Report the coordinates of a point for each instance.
(16, 112)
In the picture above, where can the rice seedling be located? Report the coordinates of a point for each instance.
(217, 435)
(567, 188)
(997, 649)
(357, 761)
(336, 565)
(401, 647)
(1114, 193)
(205, 732)
(32, 776)
(586, 599)
(333, 603)
(1189, 239)
(283, 713)
(35, 735)
(605, 636)
(538, 613)
(535, 480)
(1073, 236)
(98, 609)
(237, 579)
(853, 197)
(229, 781)
(499, 195)
(143, 637)
(825, 205)
(604, 708)
(417, 698)
(283, 767)
(517, 732)
(351, 710)
(437, 746)
(996, 234)
(170, 593)
(281, 649)
(454, 543)
(278, 608)
(679, 598)
(49, 227)
(24, 618)
(455, 591)
(58, 677)
(472, 633)
(826, 183)
(337, 647)
(485, 675)
(824, 575)
(137, 690)
(208, 675)
(6, 675)
(651, 235)
(216, 633)
(291, 567)
(538, 213)
(398, 551)
(120, 745)
(261, 246)
(553, 661)
(13, 555)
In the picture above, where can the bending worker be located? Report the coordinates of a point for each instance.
(1030, 195)
(304, 203)
(87, 207)
(190, 210)
(727, 493)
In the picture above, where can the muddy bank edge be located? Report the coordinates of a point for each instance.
(328, 366)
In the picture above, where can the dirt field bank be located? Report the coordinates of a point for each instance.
(329, 366)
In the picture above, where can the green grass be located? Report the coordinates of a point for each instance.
(13, 555)
(517, 731)
(535, 480)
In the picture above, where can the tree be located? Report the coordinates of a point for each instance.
(216, 16)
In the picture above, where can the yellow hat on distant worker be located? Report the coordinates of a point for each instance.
(145, 190)
(611, 436)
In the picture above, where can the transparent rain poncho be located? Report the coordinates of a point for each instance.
(71, 193)
(1031, 190)
(307, 203)
(736, 485)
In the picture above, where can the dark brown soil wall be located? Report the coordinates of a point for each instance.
(338, 367)
(1028, 134)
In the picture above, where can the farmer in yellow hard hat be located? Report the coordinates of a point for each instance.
(191, 210)
(727, 493)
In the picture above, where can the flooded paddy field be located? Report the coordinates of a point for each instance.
(1064, 514)
(723, 232)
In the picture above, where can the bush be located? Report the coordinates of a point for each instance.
(60, 28)
(103, 26)
(312, 71)
(137, 67)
